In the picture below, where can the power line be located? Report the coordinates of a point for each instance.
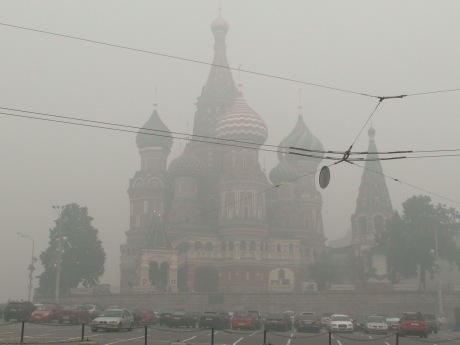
(261, 74)
(405, 183)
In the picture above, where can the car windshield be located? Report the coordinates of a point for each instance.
(392, 319)
(210, 313)
(429, 317)
(375, 319)
(44, 307)
(239, 314)
(306, 316)
(340, 318)
(89, 306)
(413, 317)
(112, 313)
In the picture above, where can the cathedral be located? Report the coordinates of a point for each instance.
(212, 220)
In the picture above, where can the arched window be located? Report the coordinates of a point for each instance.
(198, 246)
(224, 246)
(208, 247)
(242, 245)
(252, 245)
(278, 248)
(291, 248)
(281, 274)
(231, 246)
(379, 223)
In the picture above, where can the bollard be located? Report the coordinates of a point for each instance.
(82, 331)
(145, 335)
(212, 336)
(397, 338)
(330, 338)
(265, 336)
(22, 332)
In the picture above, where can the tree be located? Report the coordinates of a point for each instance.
(322, 272)
(412, 241)
(83, 257)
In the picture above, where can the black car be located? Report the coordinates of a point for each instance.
(181, 318)
(432, 323)
(212, 319)
(308, 322)
(278, 322)
(19, 310)
(164, 317)
(360, 323)
(257, 318)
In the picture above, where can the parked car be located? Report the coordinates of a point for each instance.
(359, 323)
(226, 318)
(46, 312)
(149, 317)
(393, 323)
(138, 315)
(376, 324)
(340, 323)
(432, 323)
(257, 318)
(243, 320)
(308, 322)
(113, 319)
(93, 309)
(73, 314)
(325, 318)
(278, 322)
(413, 323)
(181, 318)
(211, 319)
(19, 310)
(164, 317)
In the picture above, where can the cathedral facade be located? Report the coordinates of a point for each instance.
(212, 220)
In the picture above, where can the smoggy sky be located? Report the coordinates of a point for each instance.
(381, 48)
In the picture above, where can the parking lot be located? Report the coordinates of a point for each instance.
(10, 333)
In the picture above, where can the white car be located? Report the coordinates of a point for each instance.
(376, 324)
(113, 319)
(340, 323)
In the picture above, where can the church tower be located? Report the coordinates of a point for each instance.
(147, 193)
(373, 208)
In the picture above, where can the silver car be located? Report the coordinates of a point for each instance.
(113, 319)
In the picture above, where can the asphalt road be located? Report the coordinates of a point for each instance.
(71, 334)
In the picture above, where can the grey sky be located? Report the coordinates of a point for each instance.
(376, 47)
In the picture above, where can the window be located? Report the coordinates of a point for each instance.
(198, 246)
(252, 245)
(231, 246)
(362, 225)
(291, 248)
(242, 245)
(208, 247)
(146, 206)
(278, 248)
(224, 246)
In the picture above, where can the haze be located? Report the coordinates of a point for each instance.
(381, 48)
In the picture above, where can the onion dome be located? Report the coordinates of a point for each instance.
(301, 137)
(154, 134)
(240, 122)
(187, 164)
(219, 24)
(283, 172)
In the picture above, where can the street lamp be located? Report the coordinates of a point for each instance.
(32, 261)
(58, 210)
(436, 255)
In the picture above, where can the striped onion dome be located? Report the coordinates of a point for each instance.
(155, 134)
(240, 122)
(187, 165)
(283, 172)
(300, 137)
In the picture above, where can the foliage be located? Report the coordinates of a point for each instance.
(83, 257)
(412, 240)
(322, 272)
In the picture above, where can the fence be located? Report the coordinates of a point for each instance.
(269, 337)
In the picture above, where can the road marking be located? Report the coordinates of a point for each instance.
(236, 342)
(120, 341)
(215, 332)
(6, 332)
(387, 343)
(338, 341)
(253, 334)
(183, 341)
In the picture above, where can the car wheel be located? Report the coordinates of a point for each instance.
(130, 327)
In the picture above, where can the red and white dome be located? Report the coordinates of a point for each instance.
(242, 123)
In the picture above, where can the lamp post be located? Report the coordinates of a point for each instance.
(32, 261)
(58, 210)
(436, 253)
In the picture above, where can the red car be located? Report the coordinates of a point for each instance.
(46, 312)
(243, 320)
(73, 314)
(413, 323)
(148, 318)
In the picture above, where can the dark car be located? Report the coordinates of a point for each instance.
(181, 318)
(257, 318)
(308, 322)
(432, 323)
(73, 314)
(164, 317)
(278, 322)
(413, 323)
(19, 310)
(359, 322)
(211, 319)
(393, 323)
